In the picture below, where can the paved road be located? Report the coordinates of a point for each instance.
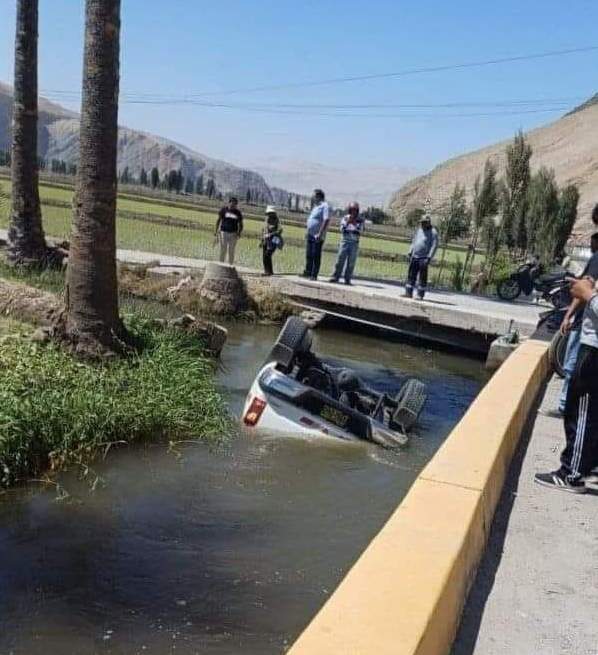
(536, 592)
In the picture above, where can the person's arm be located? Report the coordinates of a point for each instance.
(574, 305)
(583, 289)
(410, 251)
(325, 221)
(218, 221)
(240, 224)
(434, 246)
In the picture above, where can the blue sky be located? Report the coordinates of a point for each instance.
(183, 46)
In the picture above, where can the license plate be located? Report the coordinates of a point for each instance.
(334, 416)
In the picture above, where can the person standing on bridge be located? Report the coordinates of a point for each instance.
(580, 456)
(317, 225)
(422, 251)
(228, 229)
(571, 324)
(351, 229)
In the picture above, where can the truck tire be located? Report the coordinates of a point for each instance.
(410, 402)
(558, 349)
(294, 338)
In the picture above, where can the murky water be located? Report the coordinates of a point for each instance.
(199, 551)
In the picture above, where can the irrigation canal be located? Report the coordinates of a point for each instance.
(215, 551)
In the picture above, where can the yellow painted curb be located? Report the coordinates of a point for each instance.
(405, 594)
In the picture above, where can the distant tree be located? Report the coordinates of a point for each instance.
(180, 181)
(514, 197)
(219, 195)
(248, 196)
(188, 185)
(543, 209)
(376, 215)
(172, 180)
(125, 176)
(143, 177)
(413, 216)
(290, 201)
(154, 178)
(210, 188)
(484, 209)
(72, 170)
(296, 202)
(567, 216)
(5, 158)
(456, 218)
(199, 185)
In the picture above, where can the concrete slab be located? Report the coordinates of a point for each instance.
(537, 588)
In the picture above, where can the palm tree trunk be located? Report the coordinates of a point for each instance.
(92, 287)
(26, 241)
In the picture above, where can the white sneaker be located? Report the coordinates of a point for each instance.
(591, 480)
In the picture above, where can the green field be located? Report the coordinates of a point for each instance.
(175, 240)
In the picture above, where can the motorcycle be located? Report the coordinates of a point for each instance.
(528, 278)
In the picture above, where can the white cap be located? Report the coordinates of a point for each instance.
(270, 209)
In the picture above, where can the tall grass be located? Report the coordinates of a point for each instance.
(56, 410)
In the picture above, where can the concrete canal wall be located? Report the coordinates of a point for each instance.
(406, 592)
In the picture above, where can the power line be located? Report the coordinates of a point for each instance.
(361, 78)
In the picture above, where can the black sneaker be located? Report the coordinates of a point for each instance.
(349, 283)
(562, 482)
(333, 280)
(591, 480)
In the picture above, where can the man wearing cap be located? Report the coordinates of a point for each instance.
(422, 250)
(271, 238)
(317, 225)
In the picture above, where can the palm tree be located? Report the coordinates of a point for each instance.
(92, 318)
(26, 241)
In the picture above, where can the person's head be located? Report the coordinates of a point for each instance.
(353, 209)
(271, 212)
(595, 214)
(319, 196)
(426, 222)
(594, 242)
(233, 202)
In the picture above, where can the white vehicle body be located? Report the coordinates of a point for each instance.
(269, 407)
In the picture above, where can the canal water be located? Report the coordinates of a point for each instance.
(195, 550)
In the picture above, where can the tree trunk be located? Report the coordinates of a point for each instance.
(92, 287)
(26, 242)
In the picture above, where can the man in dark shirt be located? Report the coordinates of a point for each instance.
(571, 323)
(229, 227)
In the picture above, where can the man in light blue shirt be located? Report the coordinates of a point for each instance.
(422, 250)
(317, 224)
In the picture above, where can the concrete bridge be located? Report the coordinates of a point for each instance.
(451, 319)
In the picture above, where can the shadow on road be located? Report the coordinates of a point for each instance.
(467, 634)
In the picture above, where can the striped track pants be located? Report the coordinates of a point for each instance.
(581, 416)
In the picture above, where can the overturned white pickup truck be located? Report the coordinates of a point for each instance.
(296, 392)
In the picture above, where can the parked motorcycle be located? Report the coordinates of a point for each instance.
(530, 277)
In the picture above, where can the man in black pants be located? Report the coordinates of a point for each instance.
(580, 455)
(422, 250)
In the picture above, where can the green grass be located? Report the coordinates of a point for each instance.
(56, 411)
(172, 240)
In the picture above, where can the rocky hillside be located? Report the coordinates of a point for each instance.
(568, 145)
(59, 139)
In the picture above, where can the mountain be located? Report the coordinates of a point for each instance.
(569, 145)
(368, 185)
(58, 130)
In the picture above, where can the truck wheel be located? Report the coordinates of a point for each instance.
(558, 349)
(410, 402)
(294, 338)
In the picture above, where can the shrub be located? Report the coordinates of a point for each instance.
(56, 410)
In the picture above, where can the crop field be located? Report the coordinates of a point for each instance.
(137, 234)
